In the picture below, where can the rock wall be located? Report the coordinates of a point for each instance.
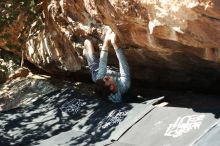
(172, 42)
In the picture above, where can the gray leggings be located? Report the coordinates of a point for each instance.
(93, 63)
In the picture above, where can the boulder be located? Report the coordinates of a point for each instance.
(2, 77)
(168, 43)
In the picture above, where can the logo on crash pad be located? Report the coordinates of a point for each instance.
(184, 125)
(73, 106)
(113, 118)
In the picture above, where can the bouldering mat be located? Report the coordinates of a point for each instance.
(170, 126)
(66, 113)
(211, 138)
(53, 113)
(121, 144)
(105, 124)
(111, 121)
(68, 138)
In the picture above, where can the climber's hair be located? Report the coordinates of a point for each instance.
(102, 90)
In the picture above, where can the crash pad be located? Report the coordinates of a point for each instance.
(170, 126)
(66, 116)
(105, 124)
(211, 138)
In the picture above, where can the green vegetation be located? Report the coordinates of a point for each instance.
(8, 62)
(9, 56)
(10, 9)
(16, 18)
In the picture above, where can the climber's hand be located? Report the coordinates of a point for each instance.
(114, 40)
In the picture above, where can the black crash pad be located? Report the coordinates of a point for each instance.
(69, 117)
(116, 143)
(111, 121)
(104, 125)
(68, 138)
(46, 117)
(170, 126)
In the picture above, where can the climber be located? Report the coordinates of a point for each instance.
(110, 84)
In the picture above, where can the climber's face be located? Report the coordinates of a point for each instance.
(110, 82)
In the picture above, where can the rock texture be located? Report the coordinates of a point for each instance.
(2, 77)
(172, 42)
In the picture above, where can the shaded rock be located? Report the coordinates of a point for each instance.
(2, 77)
(22, 91)
(21, 72)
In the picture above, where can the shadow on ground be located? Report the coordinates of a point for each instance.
(54, 113)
